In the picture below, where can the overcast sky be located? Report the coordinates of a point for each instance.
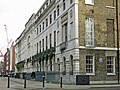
(15, 13)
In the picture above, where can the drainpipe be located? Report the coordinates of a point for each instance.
(117, 36)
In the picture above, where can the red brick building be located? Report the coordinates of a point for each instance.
(7, 62)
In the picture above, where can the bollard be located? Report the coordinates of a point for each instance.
(43, 81)
(61, 82)
(8, 81)
(25, 81)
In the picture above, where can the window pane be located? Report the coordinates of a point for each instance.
(89, 64)
(71, 1)
(110, 64)
(58, 10)
(89, 25)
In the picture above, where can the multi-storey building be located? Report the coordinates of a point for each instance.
(12, 58)
(24, 48)
(6, 67)
(1, 68)
(73, 37)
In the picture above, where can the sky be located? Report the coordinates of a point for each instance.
(14, 14)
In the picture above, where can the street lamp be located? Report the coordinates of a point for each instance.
(117, 37)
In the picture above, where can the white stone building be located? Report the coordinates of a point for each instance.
(55, 26)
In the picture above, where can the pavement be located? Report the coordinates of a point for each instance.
(18, 84)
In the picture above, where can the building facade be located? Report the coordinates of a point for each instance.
(6, 67)
(98, 40)
(69, 38)
(12, 58)
(1, 68)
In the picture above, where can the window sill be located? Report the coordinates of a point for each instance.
(90, 73)
(111, 74)
(110, 7)
(89, 46)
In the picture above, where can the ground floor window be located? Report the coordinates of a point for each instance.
(50, 64)
(64, 66)
(71, 65)
(110, 64)
(89, 64)
(58, 61)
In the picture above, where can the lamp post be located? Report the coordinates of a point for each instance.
(117, 36)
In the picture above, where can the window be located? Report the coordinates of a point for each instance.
(46, 4)
(110, 65)
(43, 65)
(89, 1)
(43, 25)
(89, 64)
(71, 65)
(43, 44)
(64, 4)
(54, 14)
(46, 43)
(58, 61)
(40, 28)
(71, 13)
(58, 10)
(71, 1)
(37, 31)
(54, 38)
(71, 29)
(46, 22)
(43, 8)
(89, 27)
(40, 64)
(37, 47)
(58, 24)
(46, 64)
(28, 41)
(50, 61)
(50, 40)
(58, 34)
(54, 63)
(64, 32)
(40, 45)
(50, 18)
(64, 66)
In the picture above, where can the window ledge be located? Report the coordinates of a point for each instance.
(110, 7)
(90, 73)
(89, 46)
(111, 74)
